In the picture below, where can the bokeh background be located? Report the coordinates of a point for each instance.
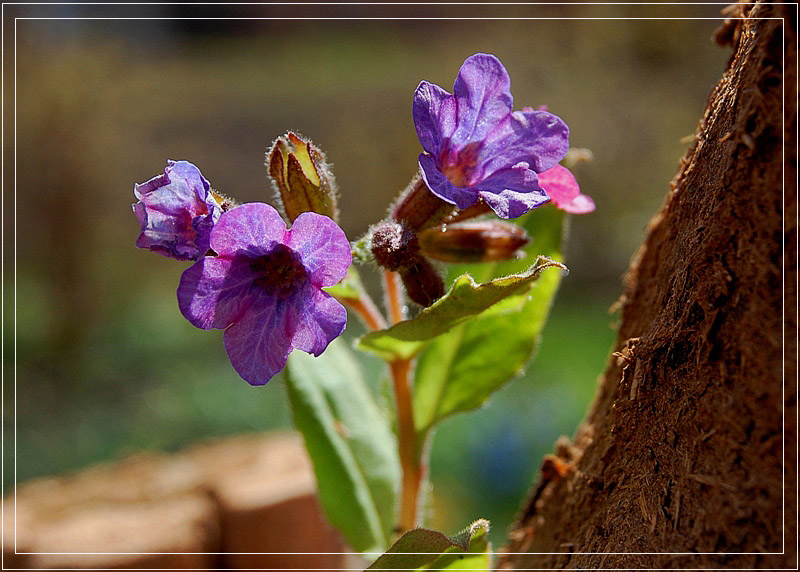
(106, 365)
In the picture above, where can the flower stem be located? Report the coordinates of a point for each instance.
(394, 296)
(406, 438)
(410, 458)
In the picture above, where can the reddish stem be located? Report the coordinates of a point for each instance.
(410, 460)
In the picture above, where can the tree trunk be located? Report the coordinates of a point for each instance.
(687, 457)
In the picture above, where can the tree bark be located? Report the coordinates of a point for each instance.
(687, 458)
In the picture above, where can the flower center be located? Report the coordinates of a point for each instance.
(280, 272)
(457, 166)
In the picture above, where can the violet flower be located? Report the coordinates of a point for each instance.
(562, 187)
(477, 148)
(265, 287)
(176, 212)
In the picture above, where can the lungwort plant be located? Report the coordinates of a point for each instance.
(282, 281)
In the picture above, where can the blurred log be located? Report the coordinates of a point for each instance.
(232, 503)
(155, 534)
(265, 491)
(683, 458)
(16, 537)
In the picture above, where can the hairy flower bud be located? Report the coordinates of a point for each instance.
(394, 246)
(473, 241)
(422, 282)
(418, 208)
(302, 178)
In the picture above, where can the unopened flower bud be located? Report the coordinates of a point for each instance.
(394, 246)
(473, 241)
(302, 178)
(422, 282)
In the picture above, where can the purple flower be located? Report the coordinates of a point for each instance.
(562, 187)
(176, 212)
(477, 148)
(265, 287)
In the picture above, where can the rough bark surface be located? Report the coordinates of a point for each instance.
(688, 454)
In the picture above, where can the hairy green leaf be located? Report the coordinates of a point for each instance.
(350, 443)
(478, 557)
(464, 301)
(419, 548)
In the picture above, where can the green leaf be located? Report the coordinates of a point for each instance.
(460, 369)
(465, 300)
(478, 557)
(419, 548)
(350, 443)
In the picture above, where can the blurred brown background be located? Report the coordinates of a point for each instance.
(106, 365)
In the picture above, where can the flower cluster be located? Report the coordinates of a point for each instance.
(477, 148)
(263, 283)
(257, 280)
(264, 287)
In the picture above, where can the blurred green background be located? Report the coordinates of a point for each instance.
(106, 365)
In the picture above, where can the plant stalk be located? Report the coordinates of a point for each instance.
(410, 458)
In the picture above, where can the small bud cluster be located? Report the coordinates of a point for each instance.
(423, 227)
(395, 247)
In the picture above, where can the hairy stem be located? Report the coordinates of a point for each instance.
(394, 296)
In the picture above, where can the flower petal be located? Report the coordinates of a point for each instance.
(513, 192)
(560, 184)
(441, 186)
(483, 93)
(203, 225)
(317, 319)
(185, 173)
(435, 116)
(538, 138)
(581, 204)
(251, 229)
(259, 343)
(215, 292)
(322, 246)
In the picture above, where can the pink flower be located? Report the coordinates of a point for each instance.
(560, 184)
